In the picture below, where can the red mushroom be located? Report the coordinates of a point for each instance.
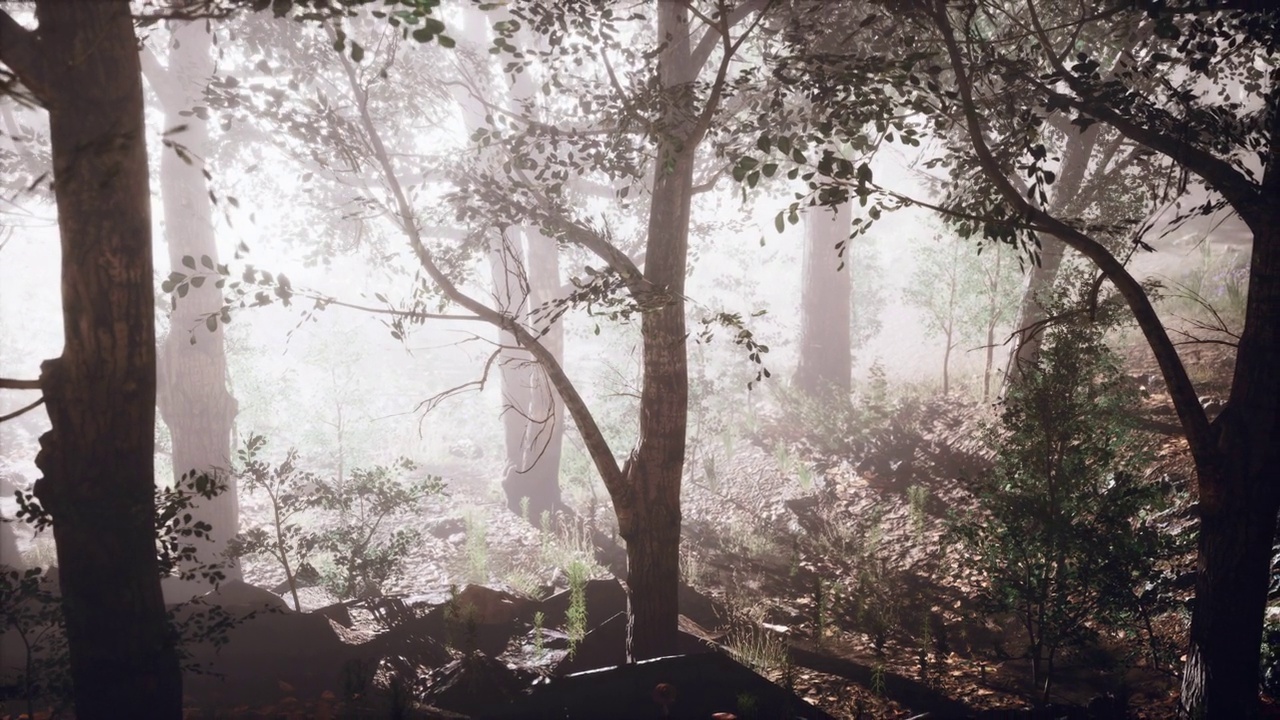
(665, 695)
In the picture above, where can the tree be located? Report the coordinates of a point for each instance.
(1194, 91)
(826, 348)
(98, 458)
(192, 391)
(965, 296)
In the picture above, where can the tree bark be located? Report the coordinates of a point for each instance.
(192, 391)
(1239, 502)
(98, 459)
(649, 508)
(826, 356)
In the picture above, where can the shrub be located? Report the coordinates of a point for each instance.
(1060, 532)
(357, 522)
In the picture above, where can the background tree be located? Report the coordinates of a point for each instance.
(826, 348)
(192, 389)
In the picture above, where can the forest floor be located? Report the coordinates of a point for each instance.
(828, 569)
(831, 572)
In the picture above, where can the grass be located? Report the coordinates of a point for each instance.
(477, 547)
(757, 648)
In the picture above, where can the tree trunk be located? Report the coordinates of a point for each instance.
(538, 477)
(1066, 191)
(192, 391)
(649, 508)
(826, 358)
(1239, 501)
(98, 459)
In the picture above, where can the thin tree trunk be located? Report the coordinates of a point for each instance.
(649, 510)
(1066, 190)
(192, 389)
(826, 357)
(98, 459)
(543, 439)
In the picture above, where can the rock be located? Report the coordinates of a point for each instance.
(473, 685)
(266, 646)
(239, 595)
(447, 527)
(696, 686)
(606, 646)
(604, 598)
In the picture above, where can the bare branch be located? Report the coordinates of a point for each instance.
(11, 384)
(22, 411)
(20, 50)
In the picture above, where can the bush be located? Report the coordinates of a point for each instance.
(1060, 532)
(358, 523)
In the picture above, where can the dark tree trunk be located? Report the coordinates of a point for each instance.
(1239, 501)
(192, 391)
(826, 355)
(98, 460)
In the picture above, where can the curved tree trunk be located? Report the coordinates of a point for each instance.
(192, 390)
(97, 461)
(825, 365)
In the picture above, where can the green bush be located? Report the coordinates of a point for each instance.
(355, 523)
(1060, 531)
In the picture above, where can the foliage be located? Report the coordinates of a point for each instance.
(1270, 666)
(965, 293)
(575, 623)
(29, 608)
(1061, 533)
(831, 425)
(356, 525)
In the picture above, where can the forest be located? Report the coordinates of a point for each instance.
(733, 359)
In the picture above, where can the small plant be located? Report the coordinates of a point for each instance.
(357, 521)
(461, 623)
(33, 613)
(822, 593)
(804, 474)
(877, 679)
(576, 617)
(917, 502)
(1061, 533)
(757, 648)
(477, 548)
(539, 642)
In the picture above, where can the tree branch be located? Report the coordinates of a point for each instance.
(20, 50)
(1192, 416)
(1243, 195)
(11, 384)
(598, 448)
